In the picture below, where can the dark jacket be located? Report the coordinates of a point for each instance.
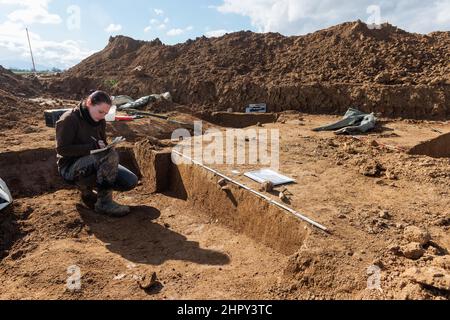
(75, 134)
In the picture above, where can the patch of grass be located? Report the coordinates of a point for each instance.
(111, 83)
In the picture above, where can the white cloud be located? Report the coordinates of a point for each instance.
(302, 16)
(31, 12)
(178, 31)
(13, 40)
(159, 12)
(175, 32)
(156, 24)
(113, 28)
(216, 33)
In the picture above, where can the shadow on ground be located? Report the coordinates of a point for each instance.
(139, 239)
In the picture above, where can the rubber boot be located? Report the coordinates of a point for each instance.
(106, 205)
(86, 186)
(88, 196)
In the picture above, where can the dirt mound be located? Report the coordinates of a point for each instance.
(15, 107)
(18, 113)
(11, 110)
(326, 71)
(18, 85)
(26, 115)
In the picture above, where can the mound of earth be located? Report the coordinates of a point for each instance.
(385, 70)
(18, 85)
(16, 109)
(25, 115)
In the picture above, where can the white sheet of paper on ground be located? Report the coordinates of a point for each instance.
(266, 175)
(5, 195)
(113, 143)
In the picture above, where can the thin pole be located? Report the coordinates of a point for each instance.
(31, 52)
(268, 199)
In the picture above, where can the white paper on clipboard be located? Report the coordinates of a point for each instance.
(115, 142)
(268, 175)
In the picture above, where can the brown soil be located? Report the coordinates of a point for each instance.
(390, 71)
(196, 236)
(17, 108)
(20, 86)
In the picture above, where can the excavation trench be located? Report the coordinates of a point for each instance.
(238, 120)
(33, 173)
(235, 208)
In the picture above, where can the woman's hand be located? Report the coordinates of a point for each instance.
(101, 144)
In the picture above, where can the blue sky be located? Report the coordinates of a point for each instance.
(63, 32)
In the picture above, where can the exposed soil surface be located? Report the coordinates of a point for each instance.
(196, 236)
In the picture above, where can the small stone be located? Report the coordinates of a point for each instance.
(139, 71)
(413, 251)
(383, 77)
(385, 215)
(395, 249)
(391, 175)
(374, 143)
(120, 276)
(371, 169)
(267, 187)
(378, 263)
(415, 234)
(293, 288)
(222, 182)
(147, 282)
(283, 197)
(332, 144)
(400, 226)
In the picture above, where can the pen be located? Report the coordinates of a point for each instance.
(96, 141)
